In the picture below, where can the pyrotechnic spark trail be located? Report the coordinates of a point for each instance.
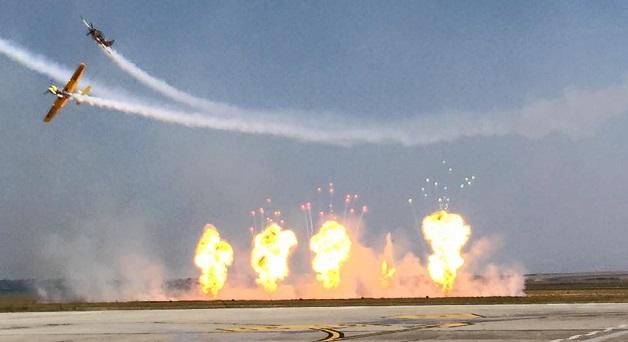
(447, 234)
(307, 214)
(441, 189)
(331, 247)
(311, 219)
(213, 256)
(269, 257)
(365, 210)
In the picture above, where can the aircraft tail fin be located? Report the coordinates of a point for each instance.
(84, 92)
(108, 43)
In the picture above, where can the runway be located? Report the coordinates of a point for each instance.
(521, 322)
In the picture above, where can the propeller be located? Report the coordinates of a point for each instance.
(89, 25)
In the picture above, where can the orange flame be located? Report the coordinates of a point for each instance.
(387, 272)
(387, 269)
(331, 247)
(269, 257)
(447, 233)
(213, 256)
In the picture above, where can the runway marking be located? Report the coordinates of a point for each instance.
(416, 327)
(332, 335)
(608, 337)
(249, 328)
(439, 316)
(595, 332)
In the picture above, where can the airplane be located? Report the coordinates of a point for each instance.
(97, 34)
(64, 95)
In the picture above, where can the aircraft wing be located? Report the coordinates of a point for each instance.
(56, 107)
(72, 84)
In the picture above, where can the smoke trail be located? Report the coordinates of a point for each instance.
(235, 123)
(204, 105)
(51, 69)
(327, 135)
(33, 62)
(158, 85)
(576, 113)
(312, 121)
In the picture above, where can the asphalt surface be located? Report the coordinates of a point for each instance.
(522, 322)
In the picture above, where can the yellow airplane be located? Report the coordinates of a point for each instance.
(64, 95)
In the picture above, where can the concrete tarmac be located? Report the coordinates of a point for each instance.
(521, 322)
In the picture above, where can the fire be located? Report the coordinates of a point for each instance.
(447, 233)
(387, 269)
(213, 256)
(331, 247)
(387, 272)
(269, 257)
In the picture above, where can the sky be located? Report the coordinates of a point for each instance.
(550, 76)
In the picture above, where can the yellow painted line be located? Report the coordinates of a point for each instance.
(332, 335)
(414, 328)
(453, 325)
(279, 327)
(439, 316)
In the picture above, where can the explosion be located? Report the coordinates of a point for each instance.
(387, 269)
(213, 256)
(387, 272)
(331, 247)
(447, 233)
(269, 257)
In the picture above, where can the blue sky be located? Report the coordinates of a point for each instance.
(556, 201)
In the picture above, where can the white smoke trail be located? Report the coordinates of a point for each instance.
(576, 113)
(33, 62)
(204, 105)
(49, 68)
(236, 124)
(158, 85)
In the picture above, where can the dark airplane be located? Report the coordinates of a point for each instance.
(97, 34)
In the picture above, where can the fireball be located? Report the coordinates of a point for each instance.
(387, 268)
(387, 272)
(331, 247)
(269, 257)
(447, 234)
(213, 256)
